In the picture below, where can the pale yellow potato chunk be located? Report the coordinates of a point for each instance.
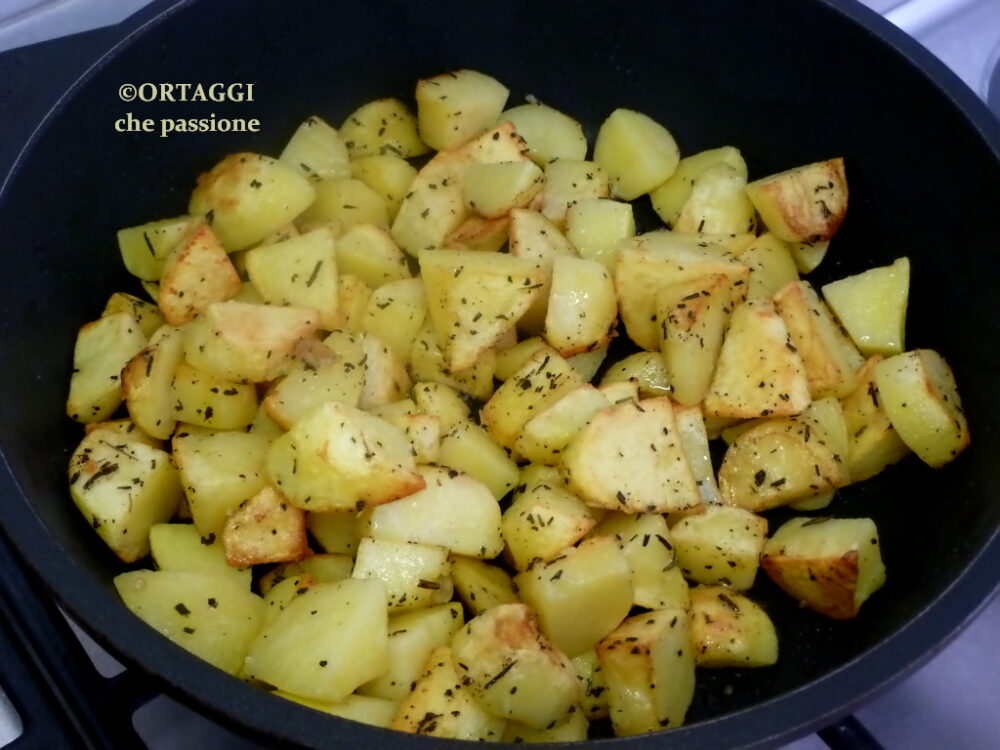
(481, 585)
(730, 630)
(542, 522)
(317, 150)
(872, 306)
(413, 574)
(145, 247)
(637, 152)
(468, 447)
(346, 201)
(567, 182)
(669, 199)
(388, 175)
(771, 266)
(454, 108)
(645, 369)
(720, 545)
(548, 133)
(383, 126)
(370, 253)
(718, 203)
(180, 546)
(873, 444)
(494, 190)
(146, 314)
(582, 308)
(596, 226)
(202, 399)
(546, 435)
(102, 349)
(395, 313)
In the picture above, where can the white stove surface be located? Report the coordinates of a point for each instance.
(950, 702)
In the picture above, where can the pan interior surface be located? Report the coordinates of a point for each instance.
(793, 83)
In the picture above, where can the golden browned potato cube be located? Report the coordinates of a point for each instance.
(479, 234)
(831, 565)
(720, 545)
(630, 458)
(440, 401)
(648, 665)
(582, 595)
(515, 672)
(265, 529)
(830, 358)
(759, 371)
(805, 204)
(730, 630)
(920, 397)
(338, 457)
(440, 705)
(246, 197)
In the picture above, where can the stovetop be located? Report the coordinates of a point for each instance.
(950, 702)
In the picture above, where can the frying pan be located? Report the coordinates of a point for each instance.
(787, 81)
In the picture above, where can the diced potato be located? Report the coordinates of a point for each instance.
(347, 201)
(872, 306)
(549, 134)
(102, 349)
(281, 593)
(805, 204)
(646, 369)
(469, 448)
(424, 433)
(669, 199)
(246, 197)
(720, 545)
(440, 705)
(582, 308)
(568, 182)
(453, 511)
(210, 616)
(377, 712)
(620, 391)
(412, 573)
(718, 203)
(831, 565)
(586, 364)
(427, 363)
(759, 371)
(648, 664)
(328, 568)
(147, 383)
(338, 457)
(649, 262)
(327, 642)
(657, 582)
(480, 585)
(454, 108)
(581, 596)
(197, 273)
(826, 415)
(384, 126)
(301, 272)
(334, 530)
(473, 299)
(494, 190)
(637, 152)
(594, 697)
(730, 630)
(265, 529)
(630, 458)
(241, 342)
(693, 318)
(335, 371)
(479, 234)
(219, 470)
(919, 395)
(146, 315)
(808, 255)
(771, 266)
(388, 175)
(873, 443)
(778, 462)
(542, 522)
(123, 488)
(532, 235)
(125, 427)
(442, 402)
(542, 380)
(509, 361)
(201, 398)
(831, 361)
(353, 296)
(395, 314)
(317, 150)
(547, 434)
(370, 253)
(145, 248)
(412, 637)
(694, 440)
(574, 729)
(386, 379)
(515, 671)
(596, 226)
(180, 546)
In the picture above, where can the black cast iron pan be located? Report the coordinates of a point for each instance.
(787, 81)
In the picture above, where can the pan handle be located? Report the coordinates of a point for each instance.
(849, 734)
